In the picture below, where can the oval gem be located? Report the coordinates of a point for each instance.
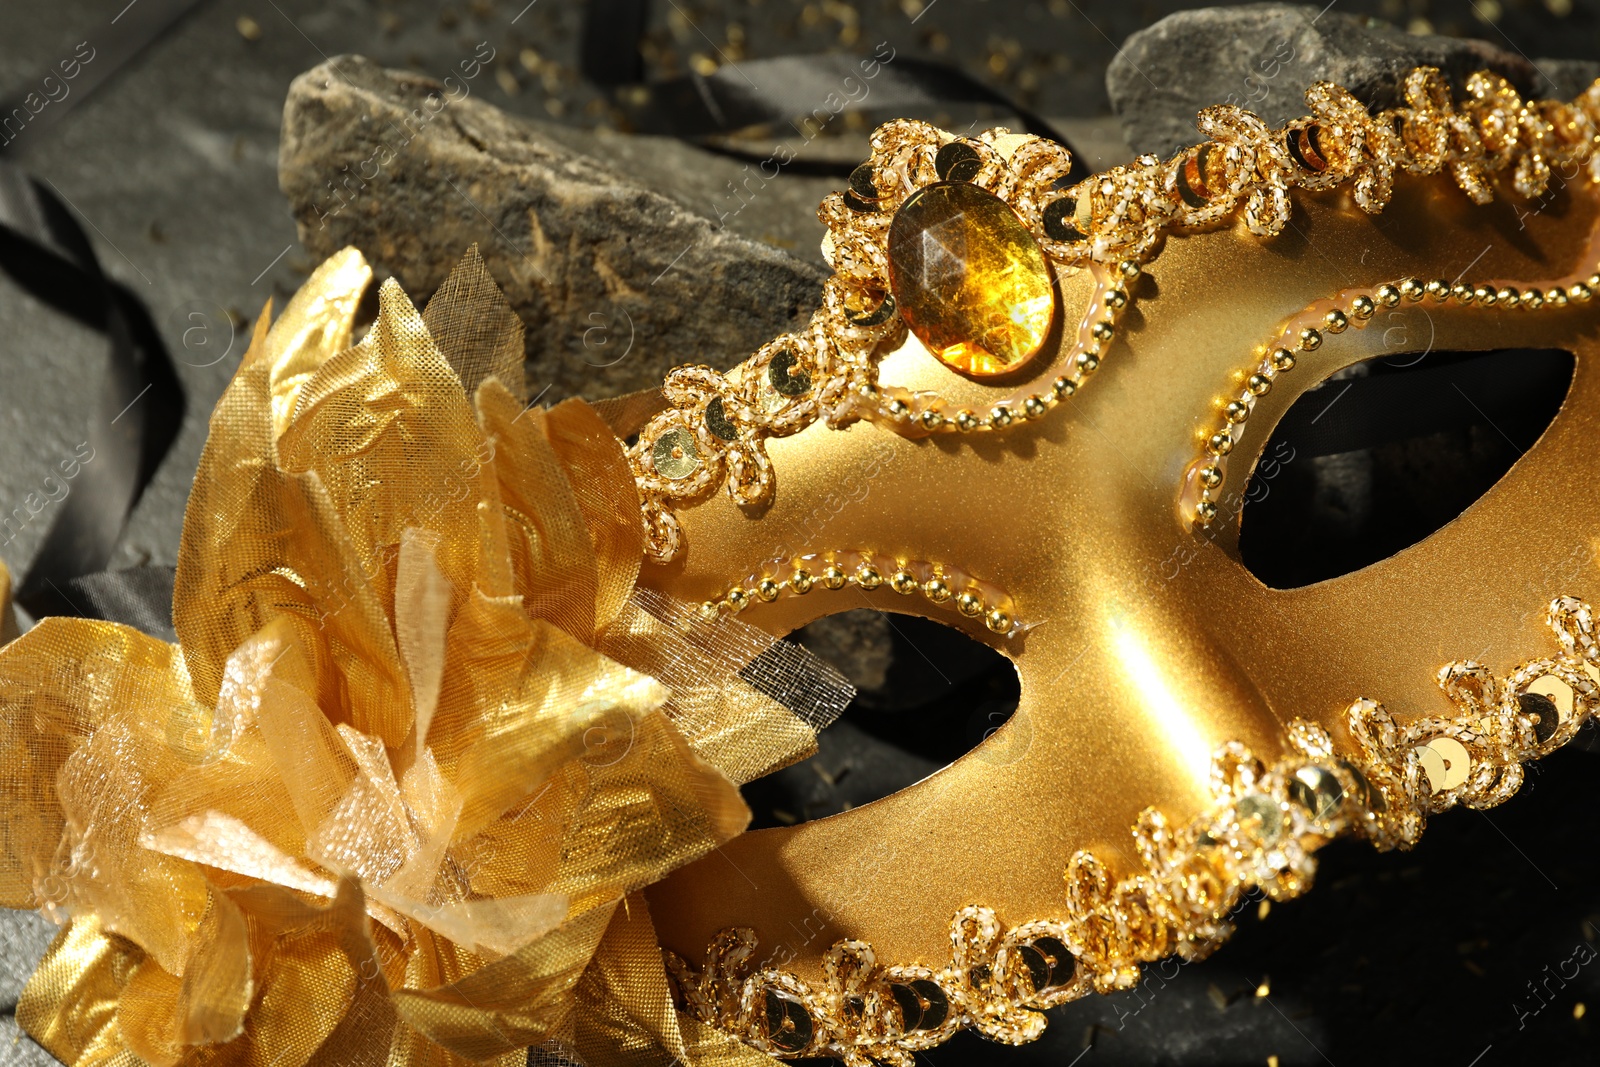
(969, 279)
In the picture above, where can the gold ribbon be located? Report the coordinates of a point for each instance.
(392, 796)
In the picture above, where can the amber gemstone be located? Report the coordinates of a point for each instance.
(969, 279)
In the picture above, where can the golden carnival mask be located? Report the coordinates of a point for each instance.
(1053, 400)
(452, 730)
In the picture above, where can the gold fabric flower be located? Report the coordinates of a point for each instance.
(392, 796)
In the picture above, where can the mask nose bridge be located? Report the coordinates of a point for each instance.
(1123, 707)
(1144, 664)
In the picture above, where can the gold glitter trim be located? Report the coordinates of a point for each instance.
(940, 584)
(1110, 224)
(1306, 332)
(1260, 833)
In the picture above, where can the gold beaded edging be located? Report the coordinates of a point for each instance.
(1110, 224)
(716, 426)
(1305, 332)
(940, 584)
(1260, 833)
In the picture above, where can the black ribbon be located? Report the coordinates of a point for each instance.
(140, 407)
(784, 89)
(138, 26)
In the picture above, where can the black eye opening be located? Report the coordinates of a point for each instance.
(927, 694)
(1379, 456)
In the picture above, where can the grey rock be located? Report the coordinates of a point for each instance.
(857, 643)
(1564, 79)
(24, 935)
(619, 269)
(17, 1048)
(1263, 57)
(623, 255)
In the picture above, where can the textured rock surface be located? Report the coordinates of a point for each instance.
(857, 643)
(616, 279)
(1263, 57)
(24, 935)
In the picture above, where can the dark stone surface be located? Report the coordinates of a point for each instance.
(857, 643)
(599, 251)
(852, 767)
(1263, 57)
(925, 695)
(24, 936)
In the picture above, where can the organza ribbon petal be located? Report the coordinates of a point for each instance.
(391, 799)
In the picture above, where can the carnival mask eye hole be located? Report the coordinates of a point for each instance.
(927, 695)
(1383, 453)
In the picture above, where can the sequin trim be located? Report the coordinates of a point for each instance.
(719, 423)
(1259, 834)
